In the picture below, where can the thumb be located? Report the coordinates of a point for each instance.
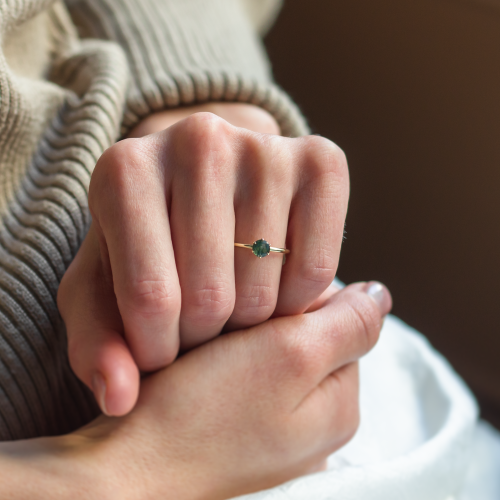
(98, 353)
(299, 351)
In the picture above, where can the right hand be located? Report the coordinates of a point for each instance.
(167, 209)
(242, 413)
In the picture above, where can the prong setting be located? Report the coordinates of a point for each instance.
(261, 248)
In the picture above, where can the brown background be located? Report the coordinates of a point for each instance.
(411, 91)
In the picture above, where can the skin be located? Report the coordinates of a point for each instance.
(275, 399)
(167, 209)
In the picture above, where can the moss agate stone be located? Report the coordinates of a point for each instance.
(261, 248)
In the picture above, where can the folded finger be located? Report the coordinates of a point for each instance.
(331, 410)
(261, 207)
(202, 222)
(129, 206)
(98, 353)
(316, 226)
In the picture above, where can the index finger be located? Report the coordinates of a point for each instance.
(128, 203)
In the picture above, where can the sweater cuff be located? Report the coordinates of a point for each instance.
(184, 52)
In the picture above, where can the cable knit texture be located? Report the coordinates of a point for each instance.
(63, 101)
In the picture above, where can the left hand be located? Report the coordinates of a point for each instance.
(244, 412)
(166, 211)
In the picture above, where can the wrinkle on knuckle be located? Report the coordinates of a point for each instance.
(118, 168)
(318, 273)
(210, 304)
(203, 140)
(298, 355)
(325, 158)
(273, 154)
(151, 297)
(256, 301)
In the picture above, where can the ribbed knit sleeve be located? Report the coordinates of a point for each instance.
(183, 52)
(61, 103)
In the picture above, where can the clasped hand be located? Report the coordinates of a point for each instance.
(167, 210)
(159, 272)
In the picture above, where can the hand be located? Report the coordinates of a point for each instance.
(167, 210)
(238, 114)
(244, 412)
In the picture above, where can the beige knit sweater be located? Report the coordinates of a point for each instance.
(73, 78)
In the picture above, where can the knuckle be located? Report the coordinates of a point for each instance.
(204, 132)
(210, 305)
(347, 421)
(325, 158)
(204, 140)
(280, 178)
(298, 355)
(116, 168)
(255, 303)
(345, 386)
(320, 272)
(151, 297)
(349, 417)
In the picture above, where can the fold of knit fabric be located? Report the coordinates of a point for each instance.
(51, 135)
(187, 52)
(63, 101)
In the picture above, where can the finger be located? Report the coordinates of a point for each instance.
(350, 324)
(202, 221)
(261, 206)
(320, 301)
(316, 226)
(129, 207)
(295, 354)
(97, 351)
(331, 410)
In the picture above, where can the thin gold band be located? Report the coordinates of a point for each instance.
(272, 249)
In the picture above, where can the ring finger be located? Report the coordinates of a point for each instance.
(261, 210)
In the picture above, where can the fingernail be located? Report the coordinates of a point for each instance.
(380, 295)
(99, 388)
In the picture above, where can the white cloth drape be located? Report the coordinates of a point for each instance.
(419, 437)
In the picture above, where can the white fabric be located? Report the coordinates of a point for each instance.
(262, 13)
(419, 437)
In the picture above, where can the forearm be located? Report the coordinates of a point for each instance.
(89, 464)
(183, 52)
(238, 114)
(35, 469)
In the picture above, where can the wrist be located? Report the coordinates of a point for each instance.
(241, 115)
(55, 467)
(119, 466)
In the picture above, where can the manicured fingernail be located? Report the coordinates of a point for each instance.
(99, 388)
(380, 295)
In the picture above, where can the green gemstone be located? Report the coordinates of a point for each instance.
(261, 248)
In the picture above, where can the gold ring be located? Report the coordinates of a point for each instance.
(261, 248)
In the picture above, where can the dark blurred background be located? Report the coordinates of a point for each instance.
(410, 89)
